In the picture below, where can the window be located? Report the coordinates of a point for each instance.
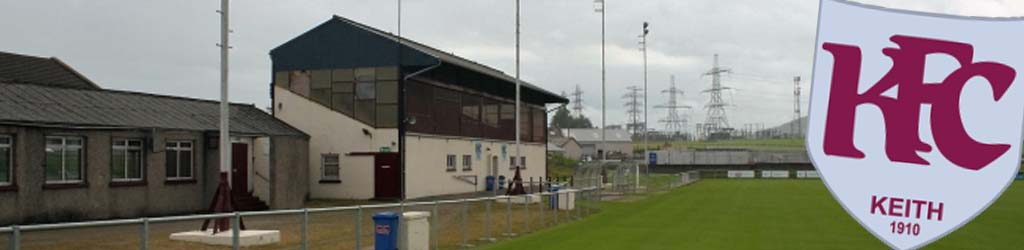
(450, 163)
(446, 108)
(420, 97)
(342, 97)
(126, 160)
(512, 162)
(467, 163)
(387, 73)
(522, 162)
(524, 123)
(366, 93)
(298, 81)
(387, 104)
(320, 87)
(64, 159)
(539, 128)
(6, 160)
(281, 79)
(331, 167)
(471, 115)
(179, 160)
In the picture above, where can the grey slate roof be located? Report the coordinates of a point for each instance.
(555, 148)
(591, 135)
(33, 104)
(41, 71)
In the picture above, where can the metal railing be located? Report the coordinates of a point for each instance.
(585, 199)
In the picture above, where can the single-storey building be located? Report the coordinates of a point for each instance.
(342, 83)
(72, 151)
(568, 146)
(618, 142)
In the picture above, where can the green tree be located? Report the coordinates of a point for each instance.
(564, 119)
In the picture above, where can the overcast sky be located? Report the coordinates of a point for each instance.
(168, 47)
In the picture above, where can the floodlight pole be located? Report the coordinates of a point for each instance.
(643, 44)
(225, 140)
(604, 145)
(222, 200)
(518, 112)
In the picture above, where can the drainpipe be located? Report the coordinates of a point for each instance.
(546, 136)
(403, 121)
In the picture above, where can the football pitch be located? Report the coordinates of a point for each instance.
(757, 214)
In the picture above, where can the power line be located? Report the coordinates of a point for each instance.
(633, 110)
(716, 121)
(577, 101)
(674, 122)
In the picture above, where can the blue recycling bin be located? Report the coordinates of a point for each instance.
(554, 197)
(489, 180)
(501, 182)
(385, 231)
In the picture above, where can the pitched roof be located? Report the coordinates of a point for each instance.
(591, 135)
(561, 141)
(41, 71)
(555, 148)
(451, 58)
(35, 104)
(444, 57)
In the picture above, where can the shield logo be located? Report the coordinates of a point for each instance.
(915, 118)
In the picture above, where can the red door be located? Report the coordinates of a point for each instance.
(240, 168)
(387, 176)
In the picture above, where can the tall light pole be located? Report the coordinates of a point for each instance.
(518, 112)
(225, 140)
(643, 47)
(599, 6)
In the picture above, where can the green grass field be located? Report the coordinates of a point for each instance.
(756, 214)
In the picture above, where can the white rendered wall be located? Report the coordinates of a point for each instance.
(334, 133)
(426, 173)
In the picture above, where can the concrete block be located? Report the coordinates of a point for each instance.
(521, 199)
(566, 199)
(415, 231)
(246, 238)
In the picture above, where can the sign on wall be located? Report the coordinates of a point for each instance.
(478, 150)
(740, 173)
(806, 174)
(778, 174)
(915, 118)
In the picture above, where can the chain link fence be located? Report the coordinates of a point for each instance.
(454, 223)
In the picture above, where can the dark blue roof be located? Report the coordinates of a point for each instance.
(343, 43)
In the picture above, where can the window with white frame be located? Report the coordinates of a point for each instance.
(511, 162)
(126, 160)
(522, 162)
(467, 163)
(64, 159)
(6, 160)
(179, 160)
(450, 163)
(331, 165)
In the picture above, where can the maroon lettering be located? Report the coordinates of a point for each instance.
(894, 205)
(918, 204)
(906, 208)
(902, 113)
(937, 211)
(877, 204)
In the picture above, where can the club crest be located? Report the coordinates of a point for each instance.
(915, 119)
